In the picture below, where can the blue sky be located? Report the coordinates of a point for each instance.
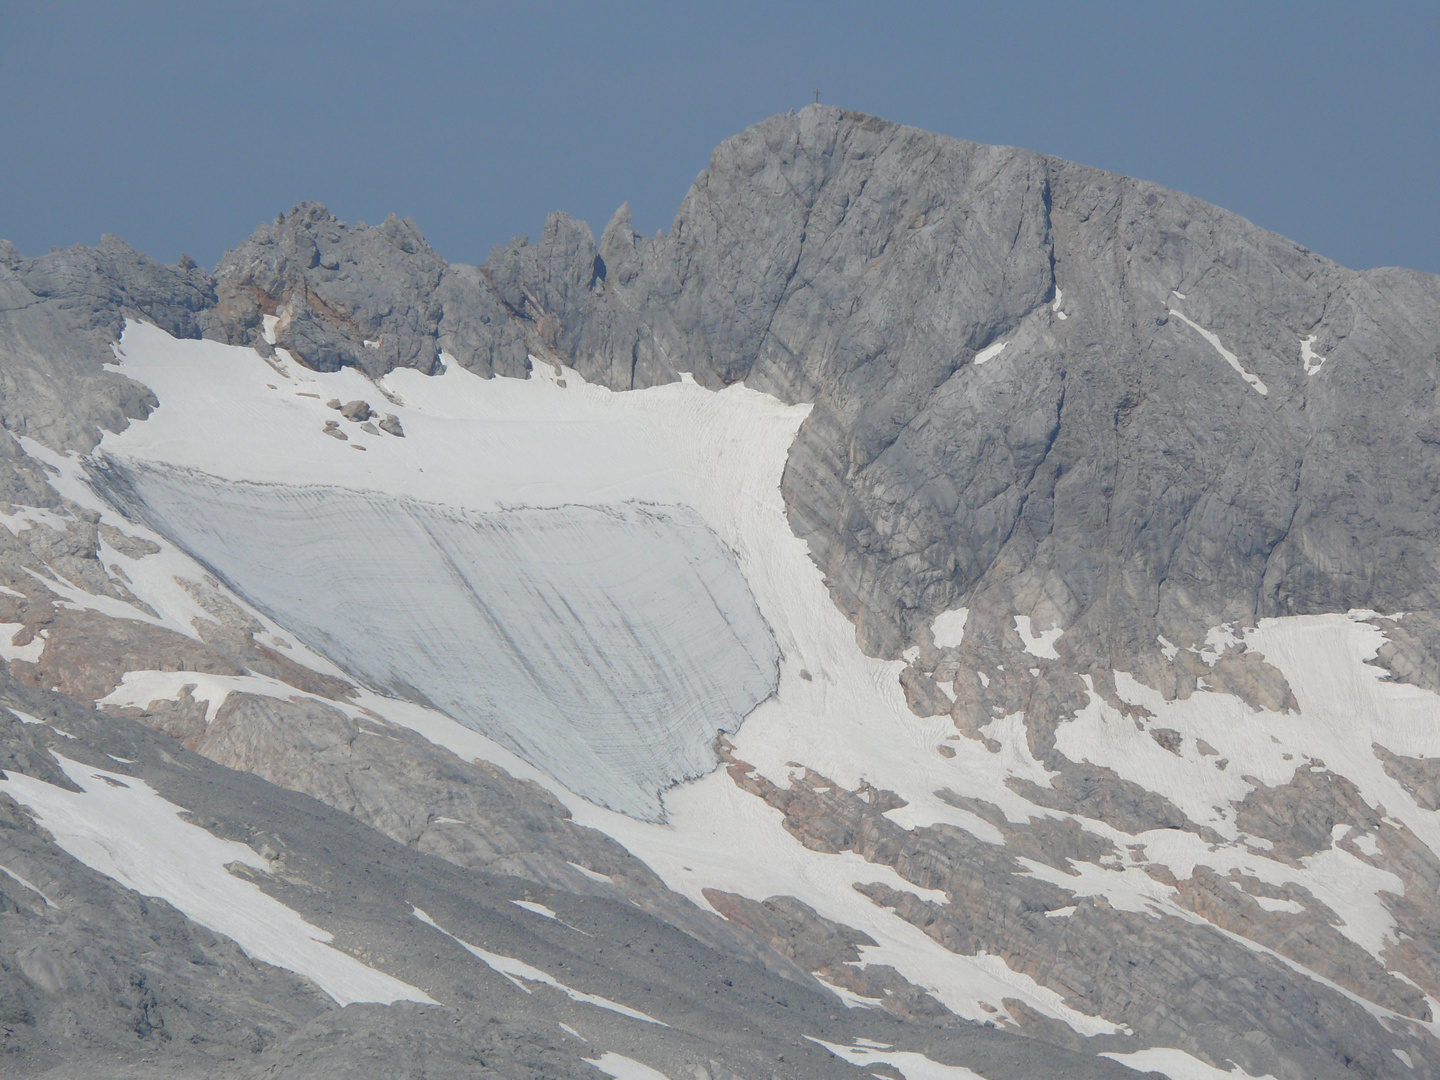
(182, 126)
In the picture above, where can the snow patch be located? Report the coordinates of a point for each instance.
(1345, 704)
(1178, 1065)
(593, 875)
(990, 352)
(538, 909)
(1290, 907)
(29, 652)
(33, 888)
(119, 826)
(1312, 360)
(624, 1068)
(519, 973)
(912, 1065)
(138, 689)
(1230, 358)
(949, 628)
(1038, 642)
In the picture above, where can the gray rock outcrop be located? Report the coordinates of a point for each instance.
(1108, 471)
(60, 315)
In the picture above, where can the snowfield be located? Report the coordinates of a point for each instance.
(544, 571)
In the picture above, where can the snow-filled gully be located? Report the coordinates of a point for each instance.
(710, 462)
(1229, 357)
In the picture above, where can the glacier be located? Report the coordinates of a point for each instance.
(606, 645)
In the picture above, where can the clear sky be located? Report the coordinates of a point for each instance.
(182, 126)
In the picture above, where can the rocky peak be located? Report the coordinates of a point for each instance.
(343, 295)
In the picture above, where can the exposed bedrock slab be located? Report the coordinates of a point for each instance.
(605, 645)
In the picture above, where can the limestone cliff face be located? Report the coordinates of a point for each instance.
(1110, 470)
(1039, 387)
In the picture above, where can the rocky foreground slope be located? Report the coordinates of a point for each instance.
(1067, 547)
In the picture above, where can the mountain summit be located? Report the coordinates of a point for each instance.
(938, 606)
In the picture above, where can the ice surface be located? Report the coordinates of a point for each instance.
(118, 825)
(606, 645)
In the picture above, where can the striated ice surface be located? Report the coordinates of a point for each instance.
(604, 644)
